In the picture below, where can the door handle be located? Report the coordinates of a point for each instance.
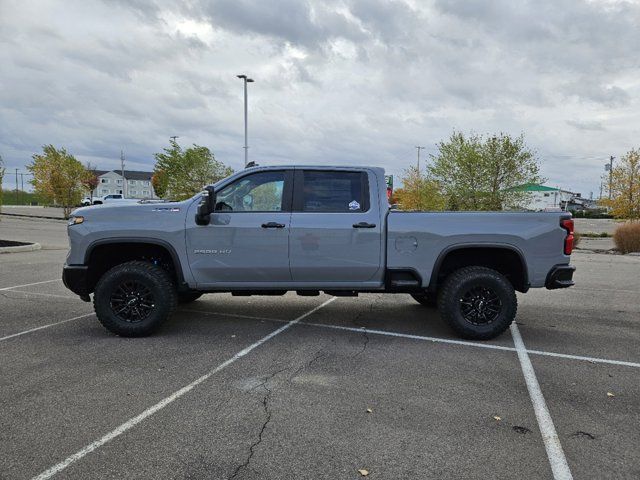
(364, 225)
(273, 225)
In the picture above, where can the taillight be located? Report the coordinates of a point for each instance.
(567, 224)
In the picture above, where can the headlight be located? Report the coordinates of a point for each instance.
(73, 220)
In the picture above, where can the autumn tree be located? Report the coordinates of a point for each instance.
(183, 173)
(478, 173)
(625, 187)
(418, 192)
(58, 177)
(90, 180)
(159, 182)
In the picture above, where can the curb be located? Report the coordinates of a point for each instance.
(30, 216)
(21, 248)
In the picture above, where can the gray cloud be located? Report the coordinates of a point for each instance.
(337, 81)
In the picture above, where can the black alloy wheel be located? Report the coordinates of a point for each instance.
(132, 301)
(480, 305)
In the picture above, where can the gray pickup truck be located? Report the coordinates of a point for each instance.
(269, 230)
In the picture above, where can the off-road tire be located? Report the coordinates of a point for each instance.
(154, 278)
(461, 282)
(427, 299)
(188, 297)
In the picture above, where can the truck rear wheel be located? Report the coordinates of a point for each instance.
(133, 299)
(477, 302)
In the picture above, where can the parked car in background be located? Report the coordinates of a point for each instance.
(114, 198)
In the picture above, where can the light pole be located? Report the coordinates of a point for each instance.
(246, 146)
(609, 167)
(418, 149)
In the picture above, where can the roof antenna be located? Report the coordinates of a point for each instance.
(251, 164)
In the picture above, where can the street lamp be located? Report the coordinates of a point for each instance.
(246, 146)
(608, 167)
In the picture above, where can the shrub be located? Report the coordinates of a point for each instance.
(627, 237)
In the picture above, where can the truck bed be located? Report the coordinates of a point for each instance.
(420, 240)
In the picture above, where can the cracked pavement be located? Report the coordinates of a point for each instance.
(296, 406)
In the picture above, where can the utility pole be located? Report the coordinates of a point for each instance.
(246, 145)
(124, 180)
(610, 174)
(16, 186)
(173, 137)
(418, 149)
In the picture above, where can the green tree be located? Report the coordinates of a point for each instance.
(58, 177)
(625, 187)
(2, 170)
(183, 173)
(419, 192)
(478, 173)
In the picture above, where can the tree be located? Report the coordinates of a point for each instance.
(625, 187)
(58, 177)
(159, 182)
(2, 170)
(418, 192)
(480, 174)
(180, 174)
(91, 180)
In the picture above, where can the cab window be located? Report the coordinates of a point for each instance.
(337, 192)
(258, 192)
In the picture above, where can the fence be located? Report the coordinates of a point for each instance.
(17, 190)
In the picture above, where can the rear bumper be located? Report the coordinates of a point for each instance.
(560, 276)
(75, 279)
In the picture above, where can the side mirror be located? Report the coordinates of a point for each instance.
(206, 206)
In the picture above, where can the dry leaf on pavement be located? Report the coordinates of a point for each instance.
(363, 472)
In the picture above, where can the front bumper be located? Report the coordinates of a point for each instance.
(560, 276)
(75, 278)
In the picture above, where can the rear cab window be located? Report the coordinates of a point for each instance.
(330, 191)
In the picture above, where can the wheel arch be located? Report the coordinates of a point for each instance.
(491, 255)
(105, 253)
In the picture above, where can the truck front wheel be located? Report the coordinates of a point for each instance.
(477, 302)
(133, 299)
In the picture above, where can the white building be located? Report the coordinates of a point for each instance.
(541, 198)
(135, 184)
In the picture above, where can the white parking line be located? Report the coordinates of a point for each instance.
(44, 326)
(552, 445)
(41, 294)
(30, 284)
(171, 398)
(490, 346)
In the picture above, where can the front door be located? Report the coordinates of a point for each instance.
(335, 229)
(247, 239)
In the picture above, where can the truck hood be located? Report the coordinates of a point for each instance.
(133, 215)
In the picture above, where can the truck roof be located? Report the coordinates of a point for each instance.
(314, 167)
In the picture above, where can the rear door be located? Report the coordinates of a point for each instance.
(247, 240)
(335, 229)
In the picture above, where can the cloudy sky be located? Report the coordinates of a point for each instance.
(337, 81)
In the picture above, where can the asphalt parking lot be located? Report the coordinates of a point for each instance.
(280, 387)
